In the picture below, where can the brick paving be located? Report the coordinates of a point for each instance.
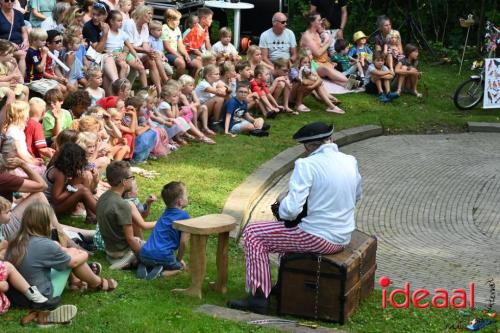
(433, 201)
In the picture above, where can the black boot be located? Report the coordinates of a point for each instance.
(257, 303)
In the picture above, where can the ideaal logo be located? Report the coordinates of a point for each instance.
(440, 298)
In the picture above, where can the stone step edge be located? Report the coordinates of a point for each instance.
(475, 126)
(219, 312)
(242, 199)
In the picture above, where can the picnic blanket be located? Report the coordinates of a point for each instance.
(335, 89)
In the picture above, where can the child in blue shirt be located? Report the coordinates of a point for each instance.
(158, 256)
(237, 119)
(361, 50)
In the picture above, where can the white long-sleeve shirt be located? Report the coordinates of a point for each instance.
(330, 182)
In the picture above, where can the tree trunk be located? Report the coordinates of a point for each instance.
(480, 26)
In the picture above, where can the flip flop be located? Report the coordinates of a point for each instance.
(335, 110)
(303, 108)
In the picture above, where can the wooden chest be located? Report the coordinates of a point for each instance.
(332, 288)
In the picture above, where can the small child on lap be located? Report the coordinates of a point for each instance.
(158, 254)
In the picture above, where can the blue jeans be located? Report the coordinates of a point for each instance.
(169, 263)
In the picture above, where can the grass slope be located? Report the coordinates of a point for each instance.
(212, 172)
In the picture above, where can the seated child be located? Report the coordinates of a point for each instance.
(172, 41)
(55, 119)
(408, 72)
(392, 48)
(191, 21)
(36, 59)
(35, 140)
(238, 119)
(245, 73)
(158, 255)
(11, 79)
(325, 32)
(14, 125)
(280, 86)
(119, 148)
(124, 6)
(254, 57)
(267, 104)
(345, 64)
(52, 70)
(378, 79)
(96, 92)
(210, 95)
(361, 50)
(188, 98)
(223, 49)
(198, 39)
(75, 58)
(156, 43)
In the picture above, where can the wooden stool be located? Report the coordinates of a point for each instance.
(200, 228)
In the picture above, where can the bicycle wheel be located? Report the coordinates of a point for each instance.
(469, 94)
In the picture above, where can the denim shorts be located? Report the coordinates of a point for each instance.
(236, 129)
(169, 263)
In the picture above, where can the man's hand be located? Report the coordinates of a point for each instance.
(151, 198)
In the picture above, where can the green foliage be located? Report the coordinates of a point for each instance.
(438, 19)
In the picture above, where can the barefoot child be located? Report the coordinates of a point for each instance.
(158, 254)
(407, 71)
(188, 98)
(258, 84)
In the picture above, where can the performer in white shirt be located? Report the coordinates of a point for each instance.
(330, 183)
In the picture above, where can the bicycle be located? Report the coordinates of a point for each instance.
(470, 92)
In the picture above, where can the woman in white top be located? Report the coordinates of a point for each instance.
(138, 31)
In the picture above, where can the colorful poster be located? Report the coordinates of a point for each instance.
(492, 84)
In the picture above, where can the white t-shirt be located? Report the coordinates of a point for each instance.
(218, 48)
(115, 41)
(370, 70)
(278, 45)
(17, 134)
(163, 107)
(136, 38)
(203, 96)
(50, 24)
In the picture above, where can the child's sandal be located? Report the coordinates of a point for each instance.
(105, 285)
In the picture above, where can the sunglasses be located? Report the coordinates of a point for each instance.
(6, 1)
(57, 41)
(282, 22)
(100, 5)
(130, 177)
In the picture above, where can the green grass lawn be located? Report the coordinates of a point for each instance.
(212, 172)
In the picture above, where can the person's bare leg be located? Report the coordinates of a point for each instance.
(332, 74)
(15, 278)
(180, 66)
(378, 83)
(325, 97)
(390, 62)
(387, 85)
(155, 76)
(161, 70)
(215, 104)
(401, 82)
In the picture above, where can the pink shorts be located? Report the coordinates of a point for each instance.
(187, 113)
(4, 301)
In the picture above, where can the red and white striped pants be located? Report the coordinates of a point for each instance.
(262, 238)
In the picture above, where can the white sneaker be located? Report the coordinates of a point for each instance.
(35, 296)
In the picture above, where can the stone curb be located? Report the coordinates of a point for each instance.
(242, 199)
(483, 127)
(219, 312)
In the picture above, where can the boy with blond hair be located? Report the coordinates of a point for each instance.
(35, 139)
(155, 32)
(223, 49)
(36, 61)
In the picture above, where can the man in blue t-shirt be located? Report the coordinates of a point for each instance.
(158, 254)
(238, 119)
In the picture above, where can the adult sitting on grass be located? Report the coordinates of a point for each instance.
(45, 263)
(115, 216)
(278, 41)
(311, 40)
(316, 215)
